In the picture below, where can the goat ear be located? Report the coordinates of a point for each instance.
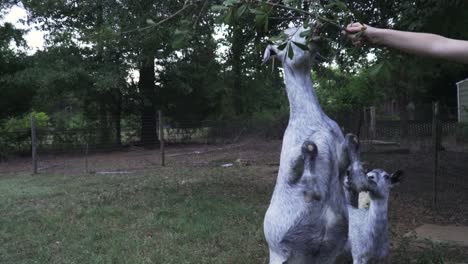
(353, 142)
(269, 53)
(396, 177)
(346, 182)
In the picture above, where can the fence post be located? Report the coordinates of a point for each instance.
(366, 122)
(435, 145)
(161, 137)
(86, 157)
(372, 122)
(34, 144)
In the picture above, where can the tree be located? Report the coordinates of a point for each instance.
(16, 93)
(114, 34)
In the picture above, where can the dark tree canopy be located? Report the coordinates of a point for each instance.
(114, 63)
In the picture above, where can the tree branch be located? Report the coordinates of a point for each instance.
(161, 21)
(200, 14)
(273, 4)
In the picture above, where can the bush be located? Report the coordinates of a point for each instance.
(265, 124)
(270, 124)
(15, 133)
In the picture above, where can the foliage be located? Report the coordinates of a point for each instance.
(16, 94)
(339, 91)
(270, 124)
(200, 60)
(433, 253)
(15, 132)
(16, 124)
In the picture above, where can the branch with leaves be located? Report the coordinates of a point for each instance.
(152, 24)
(257, 7)
(329, 17)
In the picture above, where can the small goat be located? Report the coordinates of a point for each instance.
(368, 229)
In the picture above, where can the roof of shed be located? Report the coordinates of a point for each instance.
(460, 82)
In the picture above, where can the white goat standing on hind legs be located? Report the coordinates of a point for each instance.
(307, 220)
(368, 228)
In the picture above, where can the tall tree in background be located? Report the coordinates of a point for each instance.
(16, 93)
(93, 46)
(116, 34)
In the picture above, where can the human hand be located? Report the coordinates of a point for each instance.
(360, 33)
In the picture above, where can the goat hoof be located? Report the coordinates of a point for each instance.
(309, 148)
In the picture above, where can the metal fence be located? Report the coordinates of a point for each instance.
(434, 152)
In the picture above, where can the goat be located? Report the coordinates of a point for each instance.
(307, 220)
(368, 228)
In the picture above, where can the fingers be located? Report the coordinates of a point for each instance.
(356, 33)
(354, 28)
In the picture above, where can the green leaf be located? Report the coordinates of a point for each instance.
(289, 2)
(150, 21)
(179, 41)
(279, 38)
(219, 19)
(305, 33)
(301, 46)
(260, 21)
(290, 52)
(180, 32)
(241, 10)
(186, 22)
(329, 21)
(228, 19)
(217, 8)
(282, 46)
(341, 5)
(256, 11)
(338, 4)
(376, 69)
(231, 2)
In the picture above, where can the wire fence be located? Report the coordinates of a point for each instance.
(435, 152)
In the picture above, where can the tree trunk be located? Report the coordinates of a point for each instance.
(103, 123)
(149, 134)
(117, 121)
(104, 132)
(236, 57)
(359, 115)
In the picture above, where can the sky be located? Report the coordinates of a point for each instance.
(34, 37)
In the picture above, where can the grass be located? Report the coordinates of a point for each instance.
(173, 215)
(169, 216)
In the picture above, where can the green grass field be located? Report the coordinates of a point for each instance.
(168, 216)
(172, 215)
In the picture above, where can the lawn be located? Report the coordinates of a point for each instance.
(169, 216)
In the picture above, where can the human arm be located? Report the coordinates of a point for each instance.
(423, 44)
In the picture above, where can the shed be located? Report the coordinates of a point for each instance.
(462, 96)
